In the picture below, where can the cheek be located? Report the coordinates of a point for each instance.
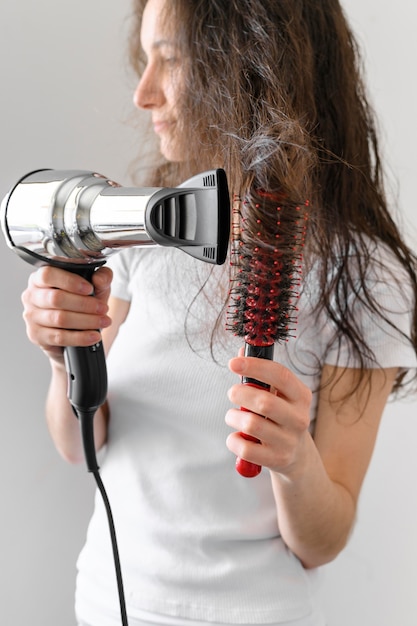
(172, 94)
(174, 86)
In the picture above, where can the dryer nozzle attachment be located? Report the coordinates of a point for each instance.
(75, 219)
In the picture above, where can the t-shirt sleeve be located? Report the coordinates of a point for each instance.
(120, 264)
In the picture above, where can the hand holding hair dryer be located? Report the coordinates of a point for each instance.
(76, 219)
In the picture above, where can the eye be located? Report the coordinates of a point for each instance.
(168, 54)
(170, 61)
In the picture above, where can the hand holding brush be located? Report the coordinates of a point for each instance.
(268, 239)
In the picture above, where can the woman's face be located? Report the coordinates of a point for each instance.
(159, 87)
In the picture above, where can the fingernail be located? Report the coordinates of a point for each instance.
(86, 289)
(102, 308)
(104, 322)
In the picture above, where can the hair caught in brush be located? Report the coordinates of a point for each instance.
(267, 253)
(267, 259)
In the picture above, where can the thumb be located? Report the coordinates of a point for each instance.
(102, 279)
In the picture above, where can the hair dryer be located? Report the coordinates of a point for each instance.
(76, 219)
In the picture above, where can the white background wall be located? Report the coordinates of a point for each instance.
(65, 98)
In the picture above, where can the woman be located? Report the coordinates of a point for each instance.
(271, 91)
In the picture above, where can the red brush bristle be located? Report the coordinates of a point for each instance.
(268, 240)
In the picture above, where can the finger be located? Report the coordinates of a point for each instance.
(247, 422)
(273, 374)
(261, 402)
(48, 337)
(50, 276)
(278, 457)
(70, 320)
(275, 447)
(102, 279)
(243, 448)
(48, 328)
(60, 338)
(59, 300)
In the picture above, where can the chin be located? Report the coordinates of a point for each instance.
(172, 155)
(170, 150)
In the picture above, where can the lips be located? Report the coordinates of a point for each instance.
(161, 126)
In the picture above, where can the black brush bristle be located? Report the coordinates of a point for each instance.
(267, 252)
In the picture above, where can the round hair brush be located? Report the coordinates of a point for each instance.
(267, 241)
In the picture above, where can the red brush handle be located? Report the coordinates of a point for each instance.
(246, 468)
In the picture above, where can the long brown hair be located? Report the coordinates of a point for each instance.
(274, 90)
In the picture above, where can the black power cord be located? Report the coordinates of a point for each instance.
(86, 419)
(87, 391)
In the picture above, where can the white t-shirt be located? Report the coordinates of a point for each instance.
(197, 541)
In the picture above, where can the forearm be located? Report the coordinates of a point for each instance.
(63, 425)
(315, 514)
(316, 483)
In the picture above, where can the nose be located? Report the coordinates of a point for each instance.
(149, 93)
